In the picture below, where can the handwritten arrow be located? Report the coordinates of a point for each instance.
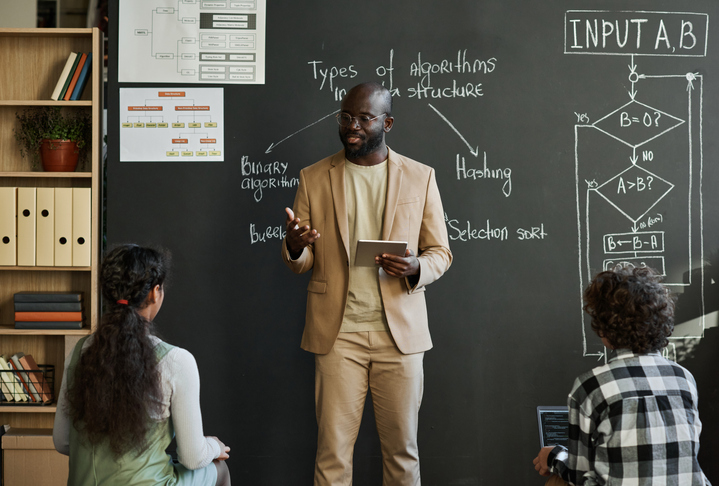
(273, 145)
(632, 70)
(473, 151)
(632, 67)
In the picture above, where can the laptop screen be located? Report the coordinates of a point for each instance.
(553, 425)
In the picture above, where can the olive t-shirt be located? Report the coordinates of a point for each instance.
(366, 191)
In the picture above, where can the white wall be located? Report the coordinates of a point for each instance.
(18, 13)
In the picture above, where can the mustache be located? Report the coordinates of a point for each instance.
(354, 134)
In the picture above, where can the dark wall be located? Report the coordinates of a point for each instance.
(566, 180)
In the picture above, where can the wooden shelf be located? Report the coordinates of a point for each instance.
(47, 32)
(47, 269)
(28, 408)
(34, 59)
(49, 175)
(45, 103)
(9, 330)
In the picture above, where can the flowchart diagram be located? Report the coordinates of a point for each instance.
(638, 167)
(192, 41)
(171, 125)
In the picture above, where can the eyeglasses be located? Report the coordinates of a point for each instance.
(344, 119)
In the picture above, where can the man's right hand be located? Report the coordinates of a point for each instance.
(298, 237)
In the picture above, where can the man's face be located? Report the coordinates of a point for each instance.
(359, 140)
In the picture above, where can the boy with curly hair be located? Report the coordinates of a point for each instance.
(635, 419)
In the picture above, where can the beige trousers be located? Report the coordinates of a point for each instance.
(358, 362)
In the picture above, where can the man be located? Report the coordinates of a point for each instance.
(367, 325)
(635, 419)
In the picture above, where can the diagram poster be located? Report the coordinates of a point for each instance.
(192, 41)
(171, 125)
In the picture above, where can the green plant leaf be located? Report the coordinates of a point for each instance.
(51, 122)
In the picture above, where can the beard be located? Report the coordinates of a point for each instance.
(371, 142)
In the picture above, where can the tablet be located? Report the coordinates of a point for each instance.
(553, 425)
(367, 250)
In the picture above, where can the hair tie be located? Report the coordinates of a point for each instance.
(122, 301)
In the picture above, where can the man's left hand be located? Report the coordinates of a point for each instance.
(398, 266)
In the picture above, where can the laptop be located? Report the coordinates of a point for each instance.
(553, 425)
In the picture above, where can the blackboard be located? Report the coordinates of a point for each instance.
(564, 139)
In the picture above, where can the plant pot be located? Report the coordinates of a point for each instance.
(59, 155)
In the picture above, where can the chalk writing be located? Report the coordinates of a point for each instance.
(424, 69)
(328, 75)
(534, 233)
(487, 232)
(425, 90)
(651, 221)
(258, 185)
(447, 66)
(383, 71)
(258, 176)
(626, 202)
(485, 172)
(648, 241)
(255, 168)
(655, 33)
(468, 232)
(264, 235)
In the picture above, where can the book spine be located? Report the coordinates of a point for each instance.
(7, 382)
(48, 307)
(63, 77)
(47, 297)
(48, 316)
(24, 378)
(75, 76)
(23, 386)
(48, 325)
(11, 377)
(36, 378)
(82, 80)
(69, 76)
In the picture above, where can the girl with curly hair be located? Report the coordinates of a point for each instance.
(125, 393)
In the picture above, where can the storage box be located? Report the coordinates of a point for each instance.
(30, 458)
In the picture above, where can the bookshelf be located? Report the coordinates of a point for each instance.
(38, 57)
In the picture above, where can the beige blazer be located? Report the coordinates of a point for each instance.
(413, 213)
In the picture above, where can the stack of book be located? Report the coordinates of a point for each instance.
(73, 78)
(22, 380)
(48, 310)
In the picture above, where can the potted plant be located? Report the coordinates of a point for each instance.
(59, 139)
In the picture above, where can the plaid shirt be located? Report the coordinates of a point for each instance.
(633, 421)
